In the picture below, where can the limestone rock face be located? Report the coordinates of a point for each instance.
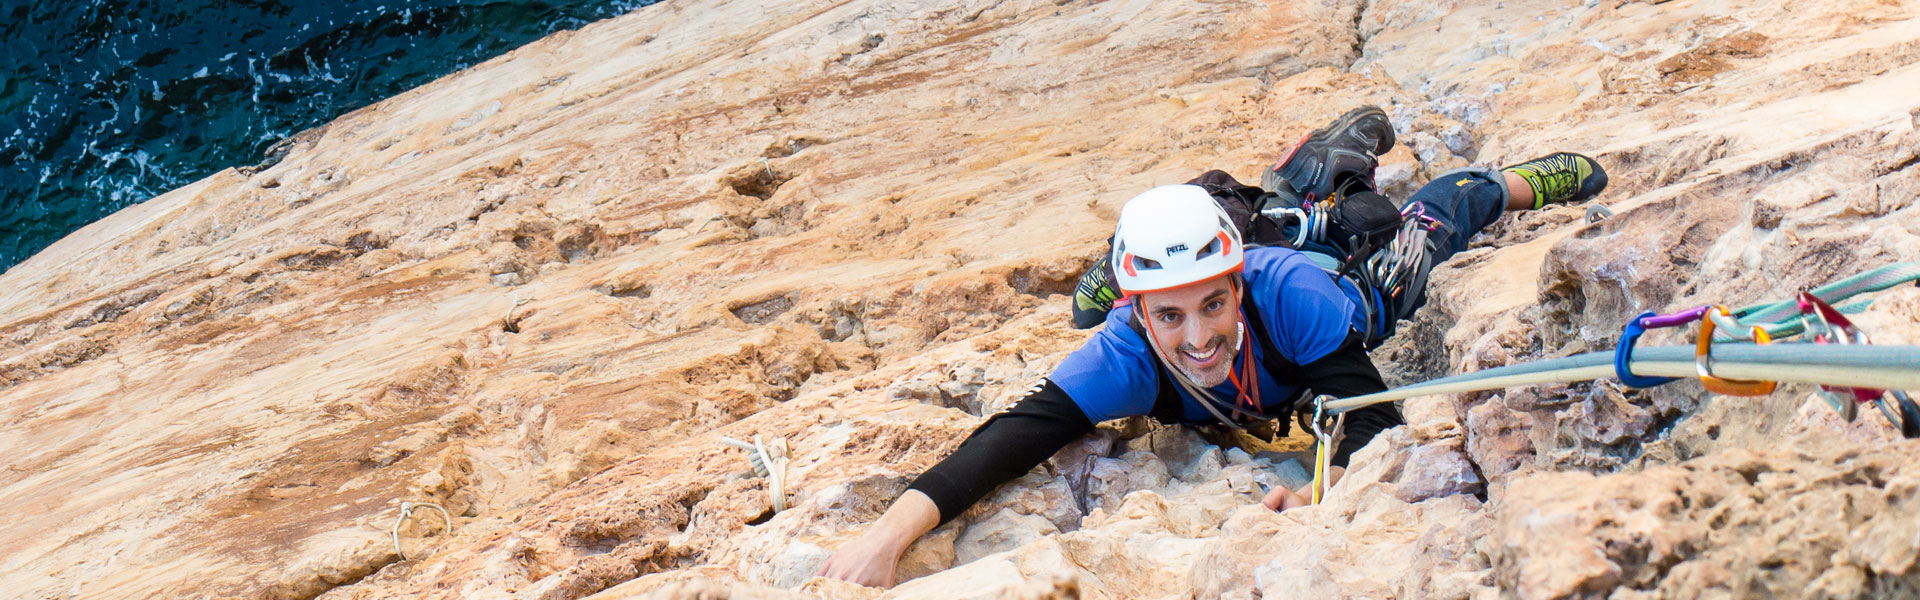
(1826, 522)
(538, 293)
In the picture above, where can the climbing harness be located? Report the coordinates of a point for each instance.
(1387, 278)
(771, 464)
(406, 510)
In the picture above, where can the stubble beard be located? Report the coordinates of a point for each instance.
(1211, 376)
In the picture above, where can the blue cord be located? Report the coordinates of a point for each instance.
(1624, 354)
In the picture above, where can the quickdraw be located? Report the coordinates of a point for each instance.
(1623, 353)
(1783, 319)
(1390, 270)
(1826, 325)
(1324, 443)
(1816, 316)
(1703, 360)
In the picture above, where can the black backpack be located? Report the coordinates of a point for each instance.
(1364, 220)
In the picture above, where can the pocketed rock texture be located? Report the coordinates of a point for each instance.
(539, 292)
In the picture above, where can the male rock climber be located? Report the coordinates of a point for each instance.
(1212, 331)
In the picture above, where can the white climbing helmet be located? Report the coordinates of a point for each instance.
(1171, 236)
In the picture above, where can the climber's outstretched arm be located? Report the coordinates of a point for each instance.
(871, 559)
(1005, 447)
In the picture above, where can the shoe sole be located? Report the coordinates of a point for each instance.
(1345, 121)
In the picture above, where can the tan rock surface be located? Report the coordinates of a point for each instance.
(538, 292)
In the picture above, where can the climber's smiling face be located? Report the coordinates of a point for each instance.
(1196, 327)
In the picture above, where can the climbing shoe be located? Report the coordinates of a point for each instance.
(1561, 177)
(1329, 157)
(1093, 296)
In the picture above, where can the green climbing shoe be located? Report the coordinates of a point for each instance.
(1561, 177)
(1093, 296)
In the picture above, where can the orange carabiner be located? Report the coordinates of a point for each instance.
(1703, 362)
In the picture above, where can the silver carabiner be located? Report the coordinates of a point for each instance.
(1279, 216)
(1319, 409)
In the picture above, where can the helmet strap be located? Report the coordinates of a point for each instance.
(1249, 395)
(1250, 388)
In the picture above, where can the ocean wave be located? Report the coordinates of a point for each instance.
(110, 103)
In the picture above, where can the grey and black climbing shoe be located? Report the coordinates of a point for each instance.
(1093, 296)
(1329, 157)
(1561, 177)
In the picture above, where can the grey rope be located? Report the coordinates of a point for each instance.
(1884, 367)
(1782, 319)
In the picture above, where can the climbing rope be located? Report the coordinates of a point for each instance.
(1824, 323)
(771, 464)
(1877, 366)
(406, 510)
(1839, 359)
(1783, 319)
(1874, 366)
(1848, 371)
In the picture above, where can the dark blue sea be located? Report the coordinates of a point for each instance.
(108, 103)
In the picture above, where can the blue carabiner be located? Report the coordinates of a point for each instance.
(1623, 354)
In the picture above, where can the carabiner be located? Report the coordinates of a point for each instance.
(1835, 328)
(1278, 215)
(1623, 355)
(1323, 447)
(1909, 415)
(1833, 323)
(1703, 362)
(1676, 319)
